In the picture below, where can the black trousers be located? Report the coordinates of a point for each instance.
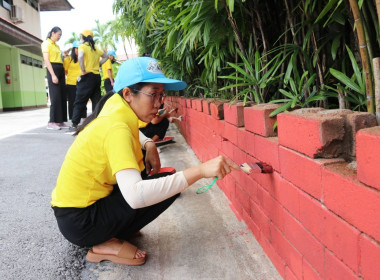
(107, 85)
(156, 129)
(107, 218)
(71, 92)
(87, 88)
(58, 105)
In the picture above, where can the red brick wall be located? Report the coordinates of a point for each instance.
(317, 216)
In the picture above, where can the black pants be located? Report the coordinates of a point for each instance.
(107, 85)
(107, 218)
(71, 92)
(156, 129)
(58, 105)
(87, 88)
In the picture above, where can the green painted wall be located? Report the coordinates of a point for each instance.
(28, 81)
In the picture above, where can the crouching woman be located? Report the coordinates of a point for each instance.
(100, 199)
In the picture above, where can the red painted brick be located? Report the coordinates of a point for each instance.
(370, 258)
(183, 102)
(252, 226)
(219, 127)
(257, 120)
(276, 259)
(206, 106)
(368, 156)
(356, 203)
(289, 275)
(336, 270)
(239, 156)
(249, 185)
(309, 272)
(337, 235)
(242, 136)
(197, 104)
(249, 140)
(188, 103)
(260, 219)
(216, 109)
(310, 133)
(356, 121)
(287, 251)
(243, 198)
(287, 195)
(230, 132)
(234, 113)
(302, 171)
(271, 207)
(306, 244)
(266, 150)
(227, 148)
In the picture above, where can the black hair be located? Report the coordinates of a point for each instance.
(55, 29)
(90, 40)
(74, 56)
(146, 54)
(135, 88)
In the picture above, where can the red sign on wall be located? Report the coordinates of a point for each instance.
(7, 67)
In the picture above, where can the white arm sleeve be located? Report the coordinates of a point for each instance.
(143, 140)
(140, 193)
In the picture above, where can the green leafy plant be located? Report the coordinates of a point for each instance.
(254, 75)
(353, 88)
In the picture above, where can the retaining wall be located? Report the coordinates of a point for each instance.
(317, 216)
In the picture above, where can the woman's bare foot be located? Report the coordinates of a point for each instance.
(112, 247)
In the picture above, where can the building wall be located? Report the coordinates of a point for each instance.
(316, 216)
(27, 88)
(31, 18)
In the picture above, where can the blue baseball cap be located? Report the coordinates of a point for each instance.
(111, 53)
(144, 69)
(76, 44)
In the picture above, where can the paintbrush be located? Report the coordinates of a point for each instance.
(256, 167)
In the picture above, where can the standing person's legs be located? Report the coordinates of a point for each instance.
(62, 84)
(83, 93)
(55, 97)
(71, 93)
(107, 85)
(95, 94)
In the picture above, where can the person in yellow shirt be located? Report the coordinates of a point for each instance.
(89, 81)
(107, 71)
(102, 196)
(56, 79)
(72, 71)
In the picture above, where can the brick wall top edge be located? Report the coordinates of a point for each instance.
(319, 113)
(372, 130)
(265, 106)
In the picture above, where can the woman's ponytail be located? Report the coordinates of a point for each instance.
(55, 29)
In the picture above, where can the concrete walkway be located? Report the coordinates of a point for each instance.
(198, 237)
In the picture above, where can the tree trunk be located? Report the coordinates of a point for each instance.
(376, 67)
(363, 55)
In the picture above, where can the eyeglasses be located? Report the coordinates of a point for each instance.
(155, 97)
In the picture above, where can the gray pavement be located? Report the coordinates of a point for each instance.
(198, 237)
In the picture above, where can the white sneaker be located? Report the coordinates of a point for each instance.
(53, 126)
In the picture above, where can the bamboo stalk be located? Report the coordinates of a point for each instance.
(378, 10)
(363, 55)
(376, 67)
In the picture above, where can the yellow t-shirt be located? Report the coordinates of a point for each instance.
(91, 57)
(50, 47)
(108, 144)
(105, 67)
(73, 70)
